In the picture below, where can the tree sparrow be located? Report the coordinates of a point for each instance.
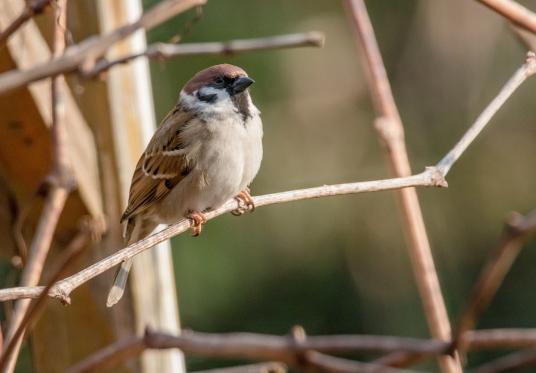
(207, 150)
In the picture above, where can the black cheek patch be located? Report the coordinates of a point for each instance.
(207, 98)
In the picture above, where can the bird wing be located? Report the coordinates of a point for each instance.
(163, 164)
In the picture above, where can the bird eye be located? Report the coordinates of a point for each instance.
(219, 80)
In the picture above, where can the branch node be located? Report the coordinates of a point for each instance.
(530, 63)
(436, 177)
(389, 133)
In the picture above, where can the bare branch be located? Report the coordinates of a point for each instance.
(514, 12)
(71, 253)
(391, 132)
(524, 72)
(61, 182)
(509, 363)
(32, 8)
(166, 51)
(285, 349)
(84, 54)
(516, 231)
(63, 289)
(246, 346)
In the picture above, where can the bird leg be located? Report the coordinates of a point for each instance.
(245, 203)
(197, 219)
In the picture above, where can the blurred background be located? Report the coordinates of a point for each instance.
(340, 264)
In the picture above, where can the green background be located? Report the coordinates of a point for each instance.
(340, 264)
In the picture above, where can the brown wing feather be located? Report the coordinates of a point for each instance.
(161, 166)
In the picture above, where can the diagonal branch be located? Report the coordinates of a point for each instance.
(166, 50)
(32, 8)
(63, 289)
(61, 183)
(516, 231)
(84, 54)
(391, 133)
(514, 12)
(71, 253)
(528, 69)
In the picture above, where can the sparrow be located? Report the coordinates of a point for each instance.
(206, 151)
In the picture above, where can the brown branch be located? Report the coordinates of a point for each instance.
(509, 363)
(514, 12)
(244, 346)
(516, 231)
(285, 349)
(84, 54)
(166, 51)
(33, 7)
(326, 363)
(391, 132)
(61, 182)
(71, 253)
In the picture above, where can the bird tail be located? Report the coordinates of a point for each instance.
(135, 230)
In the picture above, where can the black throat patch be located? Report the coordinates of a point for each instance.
(241, 104)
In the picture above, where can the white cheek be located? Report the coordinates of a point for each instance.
(222, 105)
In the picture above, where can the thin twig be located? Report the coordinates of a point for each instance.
(63, 289)
(86, 53)
(514, 12)
(525, 71)
(61, 182)
(71, 253)
(33, 7)
(166, 51)
(516, 231)
(391, 132)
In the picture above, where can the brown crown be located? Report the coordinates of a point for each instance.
(209, 74)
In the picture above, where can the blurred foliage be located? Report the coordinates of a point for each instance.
(340, 265)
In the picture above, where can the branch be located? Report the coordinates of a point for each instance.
(63, 289)
(84, 54)
(509, 363)
(246, 346)
(391, 132)
(287, 350)
(525, 71)
(71, 253)
(61, 183)
(515, 12)
(32, 8)
(516, 231)
(166, 51)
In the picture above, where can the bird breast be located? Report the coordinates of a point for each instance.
(227, 155)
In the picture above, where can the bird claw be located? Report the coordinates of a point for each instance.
(245, 203)
(197, 219)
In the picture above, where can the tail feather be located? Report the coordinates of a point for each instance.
(134, 230)
(120, 282)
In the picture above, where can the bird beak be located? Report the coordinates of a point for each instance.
(240, 84)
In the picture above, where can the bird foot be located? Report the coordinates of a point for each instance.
(245, 203)
(197, 219)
